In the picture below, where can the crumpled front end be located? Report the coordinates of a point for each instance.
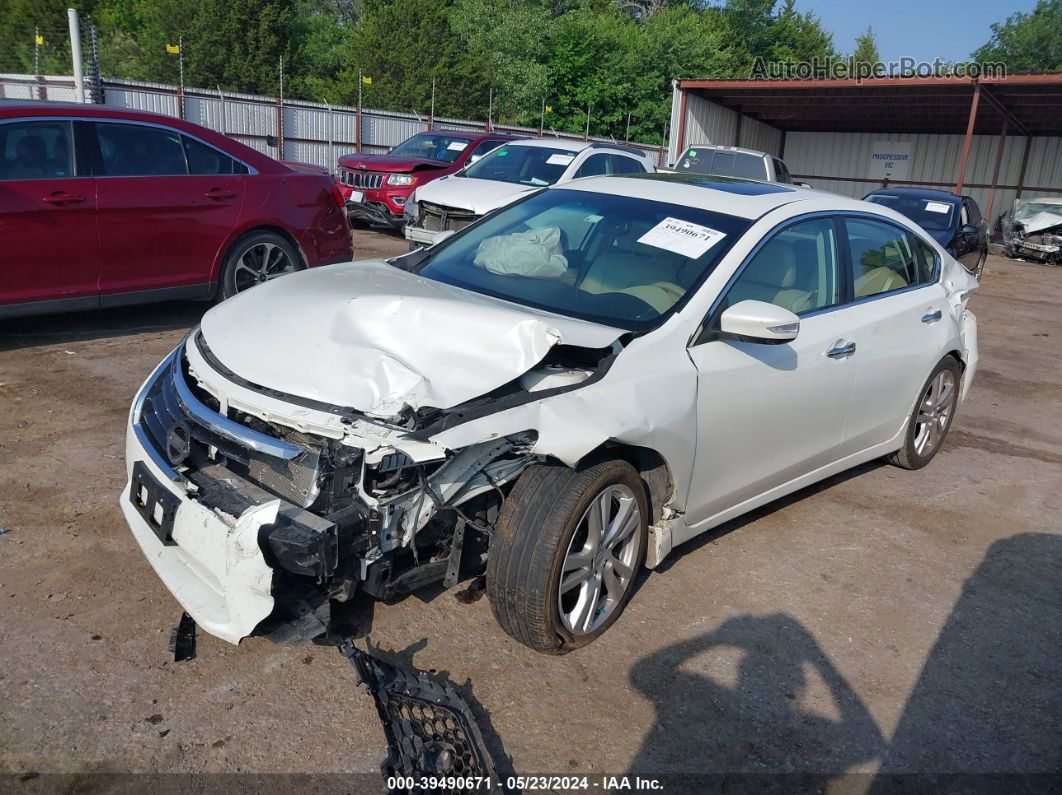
(258, 513)
(1033, 230)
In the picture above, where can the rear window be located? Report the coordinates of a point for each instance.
(722, 163)
(932, 214)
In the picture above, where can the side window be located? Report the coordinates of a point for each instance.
(625, 165)
(203, 159)
(137, 150)
(593, 166)
(482, 148)
(926, 260)
(974, 211)
(35, 150)
(796, 269)
(882, 258)
(750, 167)
(782, 171)
(964, 214)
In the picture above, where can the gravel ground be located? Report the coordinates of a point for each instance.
(884, 621)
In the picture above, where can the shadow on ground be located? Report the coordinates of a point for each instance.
(30, 332)
(984, 714)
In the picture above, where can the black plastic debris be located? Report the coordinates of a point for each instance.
(182, 639)
(431, 730)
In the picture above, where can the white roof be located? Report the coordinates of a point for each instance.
(552, 143)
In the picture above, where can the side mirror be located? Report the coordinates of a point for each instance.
(803, 185)
(758, 321)
(969, 230)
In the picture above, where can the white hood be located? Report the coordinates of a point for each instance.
(371, 337)
(481, 196)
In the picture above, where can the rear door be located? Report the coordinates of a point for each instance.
(167, 202)
(47, 215)
(902, 330)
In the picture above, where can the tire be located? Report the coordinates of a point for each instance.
(547, 512)
(930, 420)
(244, 265)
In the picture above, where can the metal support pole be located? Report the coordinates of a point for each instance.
(737, 129)
(331, 138)
(357, 118)
(627, 135)
(75, 53)
(431, 116)
(542, 118)
(586, 134)
(180, 67)
(995, 169)
(964, 158)
(490, 109)
(682, 124)
(224, 111)
(42, 92)
(1024, 163)
(280, 113)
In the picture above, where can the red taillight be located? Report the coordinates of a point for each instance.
(337, 195)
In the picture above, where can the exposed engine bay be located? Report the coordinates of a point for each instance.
(1033, 229)
(365, 505)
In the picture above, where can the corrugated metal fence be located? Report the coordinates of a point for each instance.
(308, 132)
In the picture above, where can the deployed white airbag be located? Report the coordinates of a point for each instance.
(535, 253)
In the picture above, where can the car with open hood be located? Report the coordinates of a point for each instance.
(1033, 228)
(552, 397)
(952, 220)
(377, 186)
(509, 172)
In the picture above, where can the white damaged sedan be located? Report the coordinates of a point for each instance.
(555, 396)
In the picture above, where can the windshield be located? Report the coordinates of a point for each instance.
(432, 146)
(538, 166)
(614, 260)
(932, 214)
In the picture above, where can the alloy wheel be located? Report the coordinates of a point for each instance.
(599, 565)
(261, 263)
(934, 413)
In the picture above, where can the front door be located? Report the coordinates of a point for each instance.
(767, 414)
(47, 216)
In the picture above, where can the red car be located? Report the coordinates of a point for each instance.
(102, 206)
(376, 186)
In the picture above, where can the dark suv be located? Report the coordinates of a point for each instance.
(377, 186)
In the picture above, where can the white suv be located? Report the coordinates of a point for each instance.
(446, 205)
(554, 397)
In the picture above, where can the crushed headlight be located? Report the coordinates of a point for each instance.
(401, 179)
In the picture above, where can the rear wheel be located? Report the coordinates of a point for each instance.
(566, 553)
(256, 258)
(932, 416)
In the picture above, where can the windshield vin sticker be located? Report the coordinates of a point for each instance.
(937, 207)
(559, 160)
(682, 237)
(458, 146)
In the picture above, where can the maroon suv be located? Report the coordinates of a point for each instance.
(101, 207)
(377, 186)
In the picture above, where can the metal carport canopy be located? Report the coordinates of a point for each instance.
(1025, 104)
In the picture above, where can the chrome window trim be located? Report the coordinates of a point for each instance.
(251, 170)
(695, 339)
(145, 442)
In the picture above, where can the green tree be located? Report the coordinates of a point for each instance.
(1027, 41)
(864, 60)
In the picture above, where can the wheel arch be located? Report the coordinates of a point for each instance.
(238, 236)
(656, 474)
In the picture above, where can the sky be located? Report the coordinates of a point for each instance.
(921, 29)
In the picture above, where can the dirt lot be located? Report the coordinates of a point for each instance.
(883, 621)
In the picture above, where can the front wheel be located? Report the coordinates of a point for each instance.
(932, 416)
(256, 258)
(567, 550)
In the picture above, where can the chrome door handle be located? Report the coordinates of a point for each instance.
(932, 317)
(841, 350)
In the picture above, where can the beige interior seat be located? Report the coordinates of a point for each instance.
(772, 277)
(633, 268)
(878, 280)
